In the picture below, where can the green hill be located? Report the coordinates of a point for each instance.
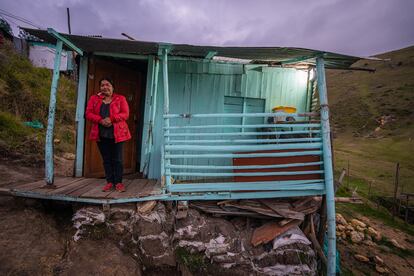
(372, 118)
(24, 97)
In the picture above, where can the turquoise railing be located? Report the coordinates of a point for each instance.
(191, 138)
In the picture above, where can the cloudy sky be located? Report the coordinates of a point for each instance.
(358, 27)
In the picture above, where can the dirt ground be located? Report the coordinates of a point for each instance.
(37, 241)
(396, 261)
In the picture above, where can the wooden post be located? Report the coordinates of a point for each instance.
(80, 115)
(397, 172)
(347, 183)
(406, 209)
(49, 170)
(165, 51)
(327, 162)
(68, 13)
(369, 189)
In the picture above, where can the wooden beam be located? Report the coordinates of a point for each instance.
(51, 117)
(210, 54)
(65, 41)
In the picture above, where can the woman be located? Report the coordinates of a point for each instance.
(108, 113)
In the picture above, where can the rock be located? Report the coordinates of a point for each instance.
(361, 258)
(381, 269)
(376, 235)
(201, 243)
(360, 229)
(385, 248)
(340, 219)
(69, 156)
(356, 237)
(378, 260)
(340, 227)
(359, 223)
(396, 244)
(368, 243)
(146, 207)
(350, 228)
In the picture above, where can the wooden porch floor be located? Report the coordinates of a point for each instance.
(84, 189)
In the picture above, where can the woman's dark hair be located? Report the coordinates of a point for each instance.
(108, 79)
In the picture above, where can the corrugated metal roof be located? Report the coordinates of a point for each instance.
(273, 55)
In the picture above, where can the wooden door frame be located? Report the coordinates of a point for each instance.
(89, 90)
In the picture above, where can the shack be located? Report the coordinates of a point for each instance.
(208, 122)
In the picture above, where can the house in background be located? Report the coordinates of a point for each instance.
(208, 122)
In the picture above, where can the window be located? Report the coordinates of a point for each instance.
(243, 105)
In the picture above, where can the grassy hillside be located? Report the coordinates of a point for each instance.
(24, 96)
(373, 117)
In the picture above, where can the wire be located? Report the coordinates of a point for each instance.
(9, 21)
(21, 19)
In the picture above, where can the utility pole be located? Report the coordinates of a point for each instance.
(68, 13)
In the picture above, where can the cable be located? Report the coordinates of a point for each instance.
(21, 19)
(17, 17)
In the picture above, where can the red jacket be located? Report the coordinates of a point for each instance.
(119, 113)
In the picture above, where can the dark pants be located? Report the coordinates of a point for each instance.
(112, 159)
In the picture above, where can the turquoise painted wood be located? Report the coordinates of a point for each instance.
(244, 174)
(49, 169)
(248, 186)
(80, 115)
(147, 127)
(166, 111)
(212, 167)
(327, 158)
(204, 134)
(243, 148)
(246, 141)
(64, 40)
(247, 126)
(174, 197)
(201, 86)
(244, 155)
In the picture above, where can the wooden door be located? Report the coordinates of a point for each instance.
(127, 82)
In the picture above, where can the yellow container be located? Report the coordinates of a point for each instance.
(286, 109)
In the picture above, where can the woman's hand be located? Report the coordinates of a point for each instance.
(106, 122)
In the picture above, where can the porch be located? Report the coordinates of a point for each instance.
(86, 190)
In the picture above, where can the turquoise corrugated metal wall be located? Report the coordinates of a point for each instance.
(200, 87)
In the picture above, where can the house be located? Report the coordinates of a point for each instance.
(207, 122)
